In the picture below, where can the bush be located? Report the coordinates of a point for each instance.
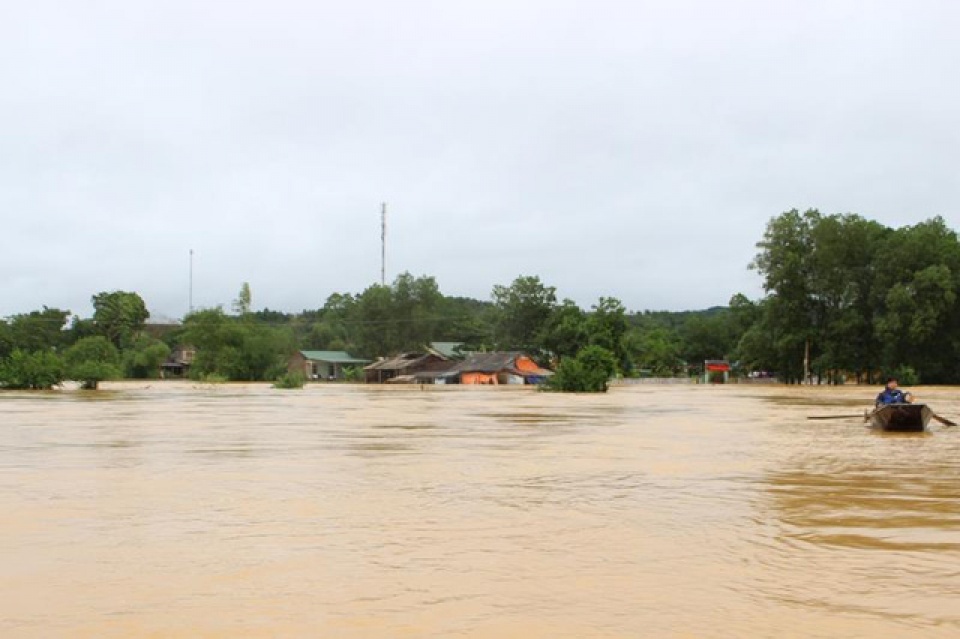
(41, 370)
(290, 380)
(212, 378)
(353, 373)
(588, 372)
(92, 360)
(143, 359)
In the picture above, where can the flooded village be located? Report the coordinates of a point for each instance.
(512, 319)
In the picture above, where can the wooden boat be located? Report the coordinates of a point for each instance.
(900, 418)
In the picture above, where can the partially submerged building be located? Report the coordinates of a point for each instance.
(178, 363)
(510, 367)
(405, 367)
(323, 365)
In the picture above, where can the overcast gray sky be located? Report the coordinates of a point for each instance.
(633, 149)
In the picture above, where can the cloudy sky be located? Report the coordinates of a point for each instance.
(633, 149)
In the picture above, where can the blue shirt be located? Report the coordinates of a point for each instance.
(895, 396)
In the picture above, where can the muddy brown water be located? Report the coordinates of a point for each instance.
(175, 510)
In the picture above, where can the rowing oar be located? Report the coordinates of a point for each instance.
(943, 420)
(833, 416)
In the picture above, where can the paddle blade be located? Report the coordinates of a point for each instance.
(942, 420)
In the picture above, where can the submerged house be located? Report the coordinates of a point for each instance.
(323, 365)
(500, 368)
(404, 367)
(178, 363)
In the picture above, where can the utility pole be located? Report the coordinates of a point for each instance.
(383, 244)
(191, 280)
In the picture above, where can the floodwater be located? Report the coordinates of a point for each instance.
(174, 510)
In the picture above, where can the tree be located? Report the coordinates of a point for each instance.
(144, 357)
(6, 340)
(704, 337)
(38, 370)
(607, 326)
(372, 323)
(522, 312)
(565, 331)
(656, 350)
(38, 330)
(92, 360)
(119, 316)
(241, 305)
(416, 304)
(916, 286)
(785, 262)
(589, 372)
(236, 348)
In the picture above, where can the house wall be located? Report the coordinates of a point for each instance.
(298, 364)
(382, 375)
(478, 378)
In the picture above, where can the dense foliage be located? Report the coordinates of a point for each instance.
(849, 296)
(589, 371)
(92, 360)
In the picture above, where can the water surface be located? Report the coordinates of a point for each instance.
(180, 510)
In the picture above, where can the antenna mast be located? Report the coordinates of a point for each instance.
(191, 280)
(383, 244)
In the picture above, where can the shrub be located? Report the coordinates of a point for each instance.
(588, 372)
(353, 373)
(143, 359)
(290, 380)
(212, 378)
(41, 370)
(92, 360)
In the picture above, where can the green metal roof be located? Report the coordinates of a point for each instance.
(333, 357)
(448, 349)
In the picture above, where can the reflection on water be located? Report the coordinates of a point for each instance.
(178, 510)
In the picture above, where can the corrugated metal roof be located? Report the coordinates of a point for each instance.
(401, 362)
(333, 357)
(497, 362)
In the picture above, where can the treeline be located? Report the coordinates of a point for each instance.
(845, 298)
(525, 315)
(39, 349)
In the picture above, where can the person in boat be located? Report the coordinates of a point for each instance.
(892, 394)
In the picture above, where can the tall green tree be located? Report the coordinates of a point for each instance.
(38, 330)
(119, 316)
(565, 332)
(785, 262)
(607, 326)
(522, 311)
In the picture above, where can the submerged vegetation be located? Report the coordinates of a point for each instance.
(589, 371)
(846, 298)
(290, 381)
